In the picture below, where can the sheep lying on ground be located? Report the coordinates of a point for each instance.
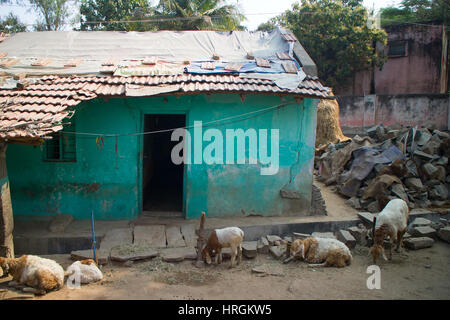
(322, 252)
(392, 221)
(230, 237)
(33, 271)
(88, 271)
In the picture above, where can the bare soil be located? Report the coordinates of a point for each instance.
(422, 274)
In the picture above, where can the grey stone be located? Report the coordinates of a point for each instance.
(440, 175)
(263, 245)
(398, 190)
(128, 263)
(429, 170)
(431, 147)
(414, 183)
(424, 137)
(178, 254)
(132, 253)
(290, 194)
(443, 221)
(418, 243)
(359, 234)
(116, 237)
(151, 235)
(366, 218)
(441, 134)
(287, 239)
(272, 239)
(249, 249)
(354, 203)
(59, 223)
(277, 251)
(425, 156)
(439, 192)
(301, 236)
(188, 232)
(444, 234)
(442, 161)
(425, 231)
(345, 237)
(373, 207)
(174, 237)
(329, 235)
(420, 222)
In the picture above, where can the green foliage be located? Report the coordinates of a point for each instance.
(199, 15)
(111, 10)
(11, 24)
(336, 36)
(417, 11)
(54, 14)
(167, 15)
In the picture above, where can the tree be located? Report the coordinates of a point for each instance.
(54, 14)
(200, 15)
(417, 11)
(11, 24)
(95, 14)
(337, 36)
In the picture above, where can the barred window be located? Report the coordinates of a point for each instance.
(398, 49)
(62, 146)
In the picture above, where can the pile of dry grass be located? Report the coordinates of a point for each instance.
(328, 128)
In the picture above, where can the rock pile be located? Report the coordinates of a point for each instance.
(395, 162)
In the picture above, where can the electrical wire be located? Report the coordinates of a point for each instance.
(206, 124)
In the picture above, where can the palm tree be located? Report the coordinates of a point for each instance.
(199, 15)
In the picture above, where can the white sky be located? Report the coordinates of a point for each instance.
(257, 11)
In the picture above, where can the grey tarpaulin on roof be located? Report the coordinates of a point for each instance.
(96, 47)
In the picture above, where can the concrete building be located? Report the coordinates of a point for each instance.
(97, 93)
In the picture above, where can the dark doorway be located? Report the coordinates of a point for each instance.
(162, 179)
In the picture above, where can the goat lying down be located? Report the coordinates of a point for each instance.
(230, 237)
(392, 221)
(36, 272)
(322, 252)
(88, 271)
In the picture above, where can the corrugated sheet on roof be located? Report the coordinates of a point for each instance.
(38, 109)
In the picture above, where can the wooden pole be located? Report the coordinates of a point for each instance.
(200, 239)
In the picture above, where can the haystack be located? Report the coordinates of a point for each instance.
(328, 128)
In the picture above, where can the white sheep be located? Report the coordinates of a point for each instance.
(392, 221)
(230, 237)
(86, 269)
(33, 271)
(322, 252)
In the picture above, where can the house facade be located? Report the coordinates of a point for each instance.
(113, 135)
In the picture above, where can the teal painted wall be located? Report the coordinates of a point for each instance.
(108, 179)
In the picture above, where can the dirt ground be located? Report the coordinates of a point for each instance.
(422, 274)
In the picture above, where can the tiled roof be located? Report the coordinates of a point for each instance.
(38, 109)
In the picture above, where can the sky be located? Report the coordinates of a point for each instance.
(257, 11)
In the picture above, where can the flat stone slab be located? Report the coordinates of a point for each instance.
(189, 235)
(345, 237)
(263, 245)
(153, 236)
(444, 234)
(174, 237)
(358, 233)
(116, 237)
(132, 252)
(272, 239)
(423, 232)
(366, 218)
(329, 235)
(421, 222)
(102, 256)
(277, 251)
(418, 243)
(178, 254)
(249, 249)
